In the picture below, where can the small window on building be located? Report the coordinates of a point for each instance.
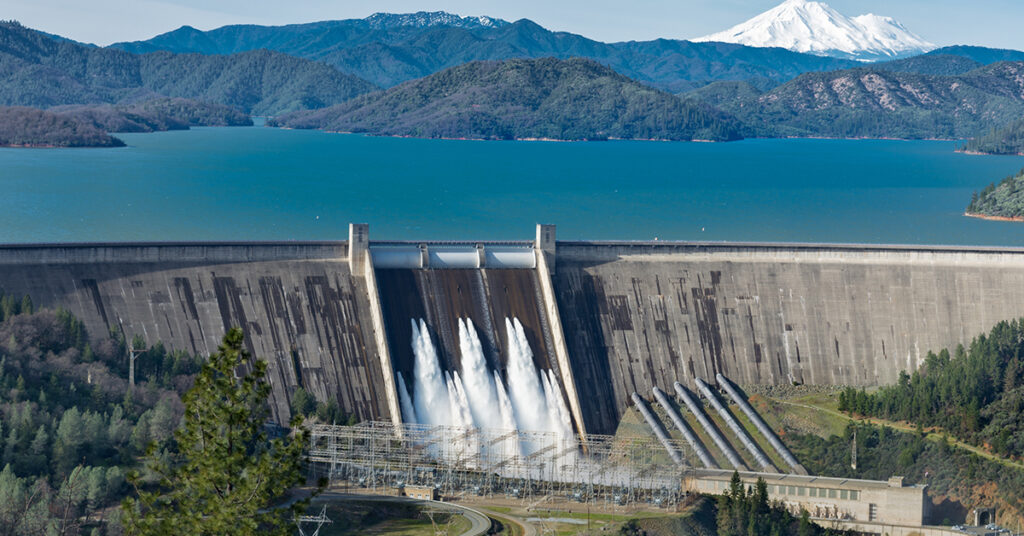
(854, 495)
(801, 491)
(792, 490)
(814, 492)
(831, 494)
(844, 494)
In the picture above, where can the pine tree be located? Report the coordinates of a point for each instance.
(227, 476)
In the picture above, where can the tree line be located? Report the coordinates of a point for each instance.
(73, 435)
(975, 394)
(1005, 199)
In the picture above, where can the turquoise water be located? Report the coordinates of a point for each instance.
(269, 184)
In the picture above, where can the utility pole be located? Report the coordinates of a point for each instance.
(131, 364)
(853, 454)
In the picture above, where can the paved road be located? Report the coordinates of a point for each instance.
(479, 523)
(527, 528)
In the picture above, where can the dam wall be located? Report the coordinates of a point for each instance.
(643, 315)
(299, 305)
(632, 315)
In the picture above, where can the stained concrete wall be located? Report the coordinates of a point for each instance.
(639, 315)
(634, 315)
(299, 305)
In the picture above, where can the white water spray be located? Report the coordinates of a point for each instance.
(530, 400)
(479, 383)
(431, 400)
(408, 411)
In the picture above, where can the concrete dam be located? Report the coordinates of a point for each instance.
(596, 320)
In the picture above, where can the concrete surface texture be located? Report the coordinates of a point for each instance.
(299, 306)
(644, 315)
(634, 315)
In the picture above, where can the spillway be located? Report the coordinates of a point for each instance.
(469, 338)
(443, 297)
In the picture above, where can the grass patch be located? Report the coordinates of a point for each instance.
(386, 518)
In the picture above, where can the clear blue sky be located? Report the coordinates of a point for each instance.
(994, 23)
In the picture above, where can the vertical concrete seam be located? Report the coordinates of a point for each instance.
(558, 339)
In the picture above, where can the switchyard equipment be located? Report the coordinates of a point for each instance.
(735, 426)
(492, 462)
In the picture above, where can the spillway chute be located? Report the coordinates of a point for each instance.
(475, 397)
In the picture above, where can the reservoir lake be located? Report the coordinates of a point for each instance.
(256, 183)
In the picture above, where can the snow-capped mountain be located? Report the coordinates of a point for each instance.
(814, 27)
(424, 19)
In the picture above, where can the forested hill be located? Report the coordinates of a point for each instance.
(547, 98)
(878, 103)
(393, 52)
(155, 115)
(29, 127)
(1005, 140)
(88, 125)
(38, 70)
(1003, 200)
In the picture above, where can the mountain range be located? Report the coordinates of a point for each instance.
(389, 50)
(876, 102)
(442, 75)
(817, 28)
(41, 71)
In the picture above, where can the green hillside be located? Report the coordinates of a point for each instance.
(1006, 140)
(547, 98)
(38, 70)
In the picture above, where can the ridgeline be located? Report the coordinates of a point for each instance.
(41, 71)
(546, 98)
(876, 102)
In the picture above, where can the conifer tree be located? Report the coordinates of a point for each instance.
(227, 476)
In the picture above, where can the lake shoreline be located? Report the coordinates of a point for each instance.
(994, 218)
(980, 153)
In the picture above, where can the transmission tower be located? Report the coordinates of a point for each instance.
(320, 521)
